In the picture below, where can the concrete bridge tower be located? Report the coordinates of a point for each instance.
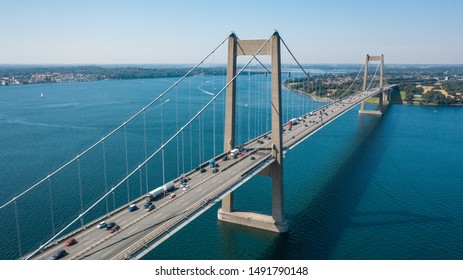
(381, 96)
(276, 222)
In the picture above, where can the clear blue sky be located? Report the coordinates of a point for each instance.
(181, 31)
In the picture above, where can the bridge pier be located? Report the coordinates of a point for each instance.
(381, 95)
(277, 221)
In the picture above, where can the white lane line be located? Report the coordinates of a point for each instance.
(102, 256)
(185, 203)
(135, 229)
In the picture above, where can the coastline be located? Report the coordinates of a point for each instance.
(314, 97)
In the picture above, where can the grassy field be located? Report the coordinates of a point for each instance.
(402, 94)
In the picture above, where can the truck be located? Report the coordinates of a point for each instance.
(234, 153)
(294, 121)
(152, 195)
(212, 163)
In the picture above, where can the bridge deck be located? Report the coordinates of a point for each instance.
(141, 231)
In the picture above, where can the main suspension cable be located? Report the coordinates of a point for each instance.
(356, 77)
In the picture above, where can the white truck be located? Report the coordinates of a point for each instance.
(294, 121)
(234, 153)
(152, 195)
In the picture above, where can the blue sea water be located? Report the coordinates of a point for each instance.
(364, 187)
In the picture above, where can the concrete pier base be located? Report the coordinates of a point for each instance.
(371, 112)
(253, 220)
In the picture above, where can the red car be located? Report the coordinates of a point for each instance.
(71, 242)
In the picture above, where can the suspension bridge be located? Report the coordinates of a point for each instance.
(254, 143)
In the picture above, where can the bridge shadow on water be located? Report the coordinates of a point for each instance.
(316, 230)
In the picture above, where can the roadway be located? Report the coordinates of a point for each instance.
(140, 228)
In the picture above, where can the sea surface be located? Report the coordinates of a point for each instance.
(363, 187)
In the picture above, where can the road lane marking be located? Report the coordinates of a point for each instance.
(135, 229)
(102, 256)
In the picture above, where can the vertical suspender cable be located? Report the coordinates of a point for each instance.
(176, 129)
(105, 177)
(162, 143)
(258, 93)
(267, 103)
(304, 108)
(127, 161)
(80, 188)
(203, 139)
(191, 132)
(256, 111)
(141, 183)
(199, 140)
(240, 112)
(51, 207)
(201, 132)
(114, 200)
(293, 104)
(17, 228)
(146, 150)
(299, 105)
(287, 107)
(224, 77)
(213, 115)
(261, 93)
(249, 104)
(183, 153)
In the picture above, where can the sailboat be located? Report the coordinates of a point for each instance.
(41, 95)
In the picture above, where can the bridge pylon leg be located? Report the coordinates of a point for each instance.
(276, 222)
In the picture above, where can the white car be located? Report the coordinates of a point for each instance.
(102, 224)
(186, 187)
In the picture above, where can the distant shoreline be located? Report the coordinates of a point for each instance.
(315, 97)
(69, 74)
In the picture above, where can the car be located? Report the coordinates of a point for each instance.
(110, 225)
(183, 181)
(71, 241)
(146, 205)
(261, 142)
(150, 207)
(114, 228)
(58, 255)
(253, 158)
(102, 224)
(203, 170)
(172, 196)
(215, 170)
(225, 158)
(133, 207)
(186, 187)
